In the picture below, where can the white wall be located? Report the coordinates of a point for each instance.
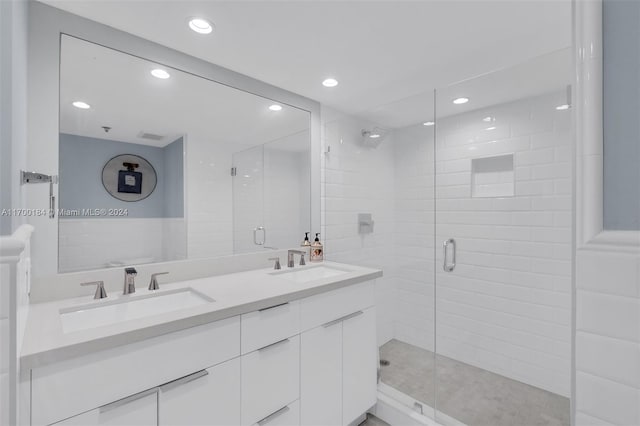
(13, 135)
(13, 108)
(607, 335)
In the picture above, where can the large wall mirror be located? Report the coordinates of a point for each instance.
(231, 170)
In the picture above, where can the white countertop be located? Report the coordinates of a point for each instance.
(45, 342)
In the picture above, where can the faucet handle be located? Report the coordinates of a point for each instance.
(277, 264)
(101, 293)
(153, 284)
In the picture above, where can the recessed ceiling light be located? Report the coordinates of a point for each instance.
(460, 101)
(160, 73)
(374, 135)
(200, 25)
(81, 105)
(488, 119)
(428, 123)
(275, 107)
(563, 107)
(330, 82)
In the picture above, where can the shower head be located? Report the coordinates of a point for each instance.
(374, 137)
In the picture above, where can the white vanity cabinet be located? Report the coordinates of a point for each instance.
(311, 361)
(139, 410)
(338, 356)
(77, 385)
(209, 397)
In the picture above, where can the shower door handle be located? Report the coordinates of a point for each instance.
(255, 236)
(449, 267)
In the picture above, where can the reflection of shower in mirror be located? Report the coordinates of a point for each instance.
(374, 137)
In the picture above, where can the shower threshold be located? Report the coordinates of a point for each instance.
(412, 411)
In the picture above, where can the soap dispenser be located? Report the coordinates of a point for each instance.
(317, 251)
(306, 244)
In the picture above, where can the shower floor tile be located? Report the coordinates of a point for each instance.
(469, 394)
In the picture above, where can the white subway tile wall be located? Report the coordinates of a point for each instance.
(607, 337)
(507, 306)
(356, 180)
(93, 243)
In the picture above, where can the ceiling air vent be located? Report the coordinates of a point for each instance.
(150, 136)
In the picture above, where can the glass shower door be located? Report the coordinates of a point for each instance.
(247, 174)
(503, 185)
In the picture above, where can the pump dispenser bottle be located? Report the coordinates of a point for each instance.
(317, 250)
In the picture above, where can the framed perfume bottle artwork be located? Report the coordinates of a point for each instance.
(129, 177)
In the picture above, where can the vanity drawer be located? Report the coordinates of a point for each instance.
(270, 379)
(269, 325)
(325, 307)
(83, 383)
(288, 415)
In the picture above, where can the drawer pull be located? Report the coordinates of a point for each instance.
(344, 318)
(273, 344)
(127, 400)
(273, 416)
(183, 380)
(274, 306)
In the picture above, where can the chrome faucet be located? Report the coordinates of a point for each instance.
(153, 284)
(129, 280)
(291, 253)
(101, 293)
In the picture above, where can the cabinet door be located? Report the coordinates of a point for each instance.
(286, 416)
(321, 376)
(138, 410)
(210, 397)
(359, 364)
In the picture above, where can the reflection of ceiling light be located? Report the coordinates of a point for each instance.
(460, 101)
(491, 128)
(160, 73)
(374, 135)
(81, 105)
(330, 82)
(201, 26)
(563, 107)
(247, 176)
(275, 107)
(488, 119)
(428, 123)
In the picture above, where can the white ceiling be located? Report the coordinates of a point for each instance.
(543, 74)
(380, 51)
(126, 97)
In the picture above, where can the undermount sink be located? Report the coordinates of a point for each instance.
(310, 273)
(109, 312)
